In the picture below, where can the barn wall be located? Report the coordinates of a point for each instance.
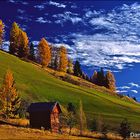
(55, 120)
(40, 119)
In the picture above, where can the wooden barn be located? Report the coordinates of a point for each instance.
(45, 114)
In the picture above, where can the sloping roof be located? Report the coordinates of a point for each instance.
(43, 106)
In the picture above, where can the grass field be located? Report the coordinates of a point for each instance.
(35, 84)
(16, 133)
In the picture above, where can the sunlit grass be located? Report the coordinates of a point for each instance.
(36, 84)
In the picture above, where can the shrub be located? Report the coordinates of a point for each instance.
(124, 129)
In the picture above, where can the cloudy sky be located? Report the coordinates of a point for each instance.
(97, 33)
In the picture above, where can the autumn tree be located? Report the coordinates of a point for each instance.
(94, 77)
(9, 97)
(100, 78)
(70, 66)
(23, 49)
(14, 39)
(110, 81)
(1, 33)
(32, 52)
(77, 69)
(82, 118)
(63, 64)
(44, 52)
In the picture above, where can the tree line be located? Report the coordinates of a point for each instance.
(49, 56)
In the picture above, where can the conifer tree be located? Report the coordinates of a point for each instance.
(14, 39)
(23, 49)
(9, 97)
(56, 62)
(125, 129)
(77, 69)
(1, 33)
(63, 59)
(110, 81)
(70, 66)
(44, 52)
(32, 52)
(82, 118)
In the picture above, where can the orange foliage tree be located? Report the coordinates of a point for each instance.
(44, 52)
(1, 32)
(9, 97)
(23, 50)
(14, 35)
(110, 81)
(63, 59)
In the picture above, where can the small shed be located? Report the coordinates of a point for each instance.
(45, 114)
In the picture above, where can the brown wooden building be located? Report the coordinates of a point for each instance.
(45, 114)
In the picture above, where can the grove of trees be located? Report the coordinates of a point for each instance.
(49, 56)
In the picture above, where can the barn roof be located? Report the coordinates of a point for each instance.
(44, 106)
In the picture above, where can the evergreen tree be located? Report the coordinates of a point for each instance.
(1, 33)
(56, 62)
(100, 78)
(125, 129)
(83, 75)
(87, 78)
(77, 69)
(94, 77)
(63, 59)
(110, 81)
(44, 52)
(14, 39)
(82, 119)
(134, 98)
(70, 66)
(32, 52)
(71, 118)
(9, 96)
(71, 108)
(23, 49)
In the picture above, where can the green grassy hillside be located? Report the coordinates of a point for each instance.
(36, 84)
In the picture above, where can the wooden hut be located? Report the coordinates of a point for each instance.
(45, 114)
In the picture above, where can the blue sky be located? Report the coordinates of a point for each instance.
(97, 33)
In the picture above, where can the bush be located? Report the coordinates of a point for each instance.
(124, 130)
(23, 109)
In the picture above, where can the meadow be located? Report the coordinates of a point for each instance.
(36, 84)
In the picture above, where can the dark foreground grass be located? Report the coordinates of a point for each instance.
(35, 84)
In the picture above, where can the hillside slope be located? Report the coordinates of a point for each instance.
(35, 84)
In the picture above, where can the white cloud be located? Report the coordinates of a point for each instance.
(12, 1)
(35, 42)
(21, 11)
(134, 91)
(5, 45)
(25, 18)
(60, 5)
(40, 7)
(105, 52)
(124, 87)
(24, 3)
(134, 85)
(67, 16)
(121, 91)
(18, 1)
(117, 43)
(42, 20)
